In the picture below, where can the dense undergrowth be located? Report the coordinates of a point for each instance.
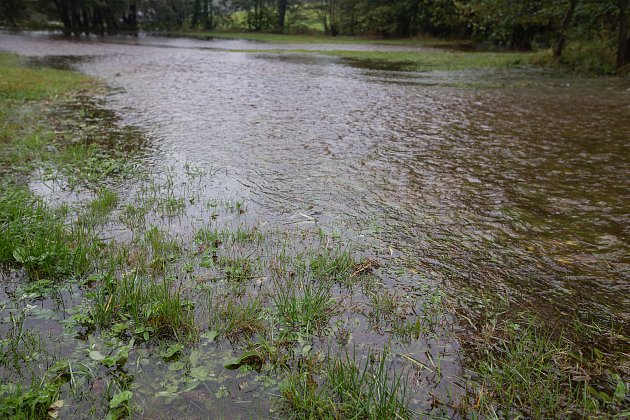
(159, 300)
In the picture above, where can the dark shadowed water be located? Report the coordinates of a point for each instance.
(514, 181)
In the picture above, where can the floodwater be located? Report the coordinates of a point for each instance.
(482, 182)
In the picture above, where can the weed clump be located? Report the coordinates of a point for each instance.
(143, 307)
(522, 369)
(36, 238)
(348, 390)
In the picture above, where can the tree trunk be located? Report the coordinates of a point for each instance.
(622, 42)
(282, 11)
(133, 17)
(522, 37)
(64, 15)
(208, 16)
(566, 22)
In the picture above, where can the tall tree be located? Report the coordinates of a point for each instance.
(623, 43)
(568, 17)
(282, 11)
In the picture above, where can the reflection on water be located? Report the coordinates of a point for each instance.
(515, 181)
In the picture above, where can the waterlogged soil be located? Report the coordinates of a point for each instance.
(469, 183)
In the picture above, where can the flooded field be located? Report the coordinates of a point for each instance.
(259, 171)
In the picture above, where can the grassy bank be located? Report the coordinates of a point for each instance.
(421, 41)
(131, 291)
(595, 57)
(426, 58)
(421, 60)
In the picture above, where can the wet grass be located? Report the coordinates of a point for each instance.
(437, 60)
(105, 202)
(35, 237)
(21, 83)
(302, 305)
(348, 390)
(320, 39)
(236, 319)
(425, 60)
(520, 367)
(143, 307)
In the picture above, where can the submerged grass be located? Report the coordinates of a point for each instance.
(303, 305)
(419, 41)
(348, 390)
(145, 307)
(521, 368)
(36, 238)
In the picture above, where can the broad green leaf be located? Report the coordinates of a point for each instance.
(170, 352)
(249, 358)
(620, 391)
(210, 336)
(120, 398)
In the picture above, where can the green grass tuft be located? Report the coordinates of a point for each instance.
(22, 83)
(36, 238)
(153, 309)
(348, 390)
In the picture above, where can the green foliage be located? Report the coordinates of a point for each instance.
(20, 83)
(591, 57)
(236, 319)
(40, 400)
(104, 203)
(30, 403)
(349, 390)
(526, 371)
(513, 23)
(304, 305)
(36, 238)
(151, 309)
(332, 265)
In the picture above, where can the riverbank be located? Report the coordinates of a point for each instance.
(421, 41)
(132, 291)
(584, 57)
(429, 53)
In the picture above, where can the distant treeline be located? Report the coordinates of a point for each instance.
(517, 24)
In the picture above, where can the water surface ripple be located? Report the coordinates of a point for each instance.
(514, 181)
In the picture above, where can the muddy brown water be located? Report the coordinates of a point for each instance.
(510, 181)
